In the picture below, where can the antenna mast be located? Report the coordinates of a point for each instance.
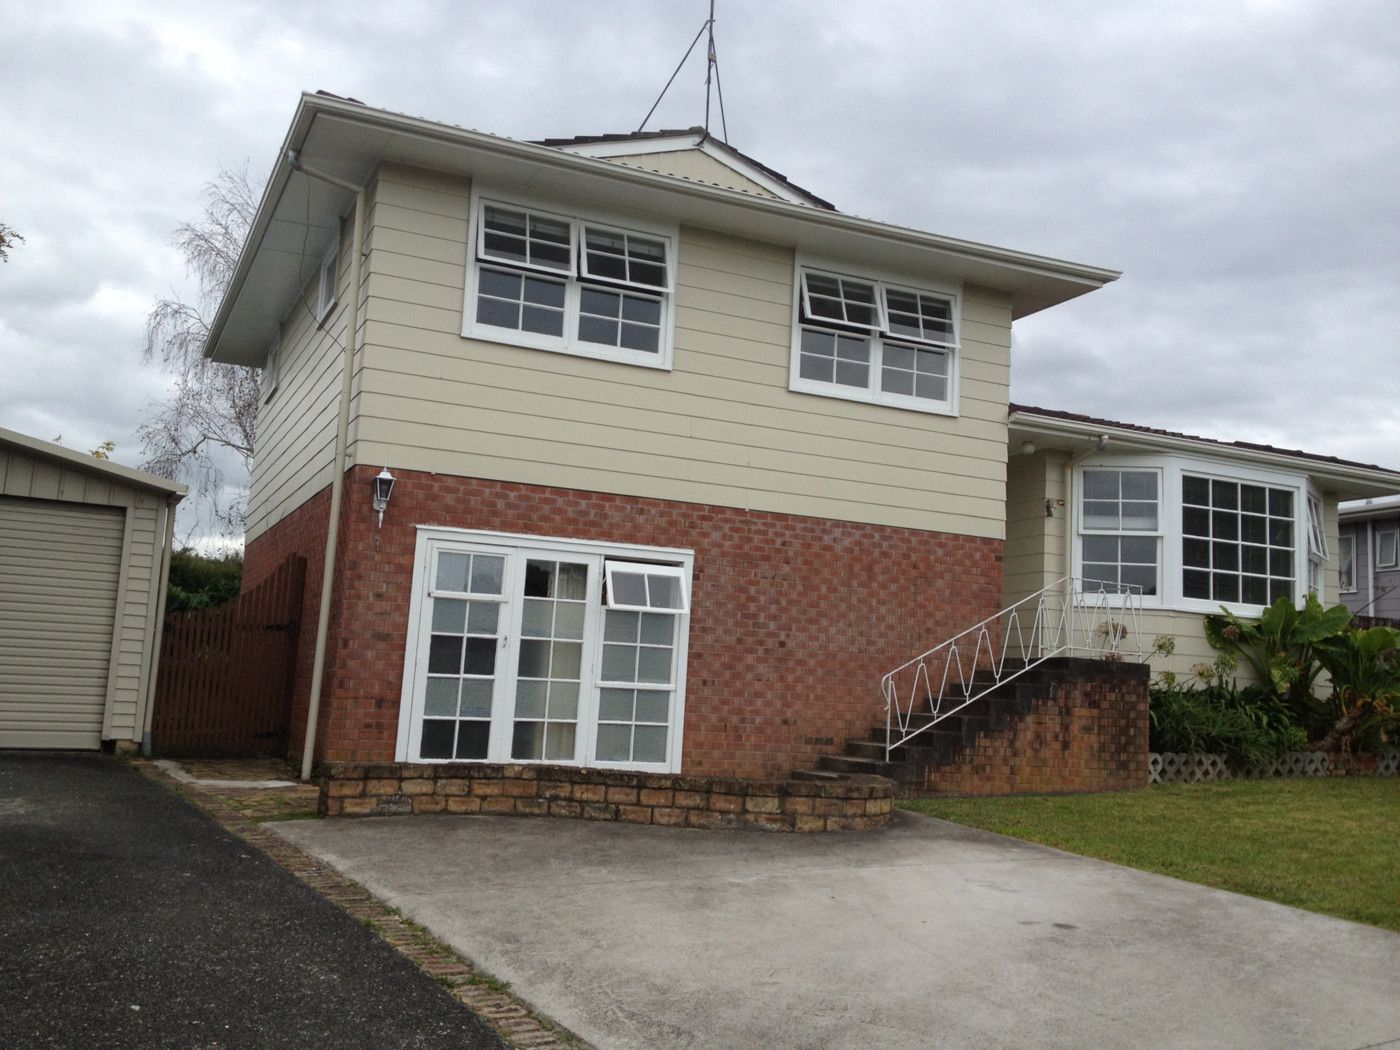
(711, 76)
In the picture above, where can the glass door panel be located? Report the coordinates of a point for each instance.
(465, 610)
(549, 666)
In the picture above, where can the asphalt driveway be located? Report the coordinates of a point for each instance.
(129, 919)
(920, 936)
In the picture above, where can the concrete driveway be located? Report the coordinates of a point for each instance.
(923, 935)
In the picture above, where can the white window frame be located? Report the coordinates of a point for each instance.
(612, 567)
(878, 337)
(574, 281)
(432, 539)
(1156, 534)
(1346, 562)
(327, 279)
(1387, 540)
(1173, 467)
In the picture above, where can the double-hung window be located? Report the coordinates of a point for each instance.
(1120, 530)
(870, 340)
(573, 285)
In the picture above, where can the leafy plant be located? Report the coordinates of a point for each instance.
(1364, 666)
(197, 582)
(1251, 726)
(1282, 648)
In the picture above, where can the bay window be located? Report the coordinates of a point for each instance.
(1191, 536)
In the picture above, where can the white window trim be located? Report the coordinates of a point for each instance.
(1391, 536)
(1169, 596)
(872, 394)
(613, 566)
(569, 343)
(328, 277)
(1346, 557)
(431, 537)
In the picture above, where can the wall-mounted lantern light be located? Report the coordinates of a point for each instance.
(383, 489)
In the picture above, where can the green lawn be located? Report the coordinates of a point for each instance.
(1328, 845)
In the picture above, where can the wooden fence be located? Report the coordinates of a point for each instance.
(225, 683)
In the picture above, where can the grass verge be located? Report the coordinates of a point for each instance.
(1327, 845)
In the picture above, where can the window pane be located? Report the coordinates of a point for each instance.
(663, 592)
(619, 626)
(476, 698)
(542, 322)
(559, 742)
(892, 382)
(481, 656)
(619, 663)
(636, 337)
(597, 330)
(472, 738)
(649, 744)
(531, 698)
(440, 698)
(497, 313)
(528, 740)
(653, 706)
(654, 665)
(851, 374)
(539, 579)
(1224, 588)
(1224, 495)
(534, 659)
(482, 617)
(486, 573)
(1101, 548)
(573, 581)
(449, 615)
(615, 705)
(452, 571)
(629, 588)
(563, 701)
(1254, 499)
(1254, 590)
(614, 743)
(568, 620)
(1195, 584)
(1195, 491)
(1281, 503)
(537, 619)
(1195, 521)
(657, 628)
(931, 388)
(644, 311)
(437, 739)
(445, 654)
(567, 658)
(497, 284)
(1195, 553)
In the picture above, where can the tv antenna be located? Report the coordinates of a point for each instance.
(711, 77)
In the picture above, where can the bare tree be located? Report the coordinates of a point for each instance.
(8, 239)
(211, 416)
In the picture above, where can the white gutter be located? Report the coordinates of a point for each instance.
(158, 630)
(342, 430)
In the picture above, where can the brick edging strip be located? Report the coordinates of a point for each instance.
(511, 1018)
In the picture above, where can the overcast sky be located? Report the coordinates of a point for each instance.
(1238, 160)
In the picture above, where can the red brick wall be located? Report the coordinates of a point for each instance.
(793, 620)
(1086, 731)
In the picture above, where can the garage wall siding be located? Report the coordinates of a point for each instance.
(30, 477)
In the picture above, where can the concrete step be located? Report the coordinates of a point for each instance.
(824, 776)
(852, 764)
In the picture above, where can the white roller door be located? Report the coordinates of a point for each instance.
(60, 570)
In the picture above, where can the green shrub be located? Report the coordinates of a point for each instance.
(197, 581)
(1251, 726)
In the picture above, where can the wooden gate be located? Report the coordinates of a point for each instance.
(225, 683)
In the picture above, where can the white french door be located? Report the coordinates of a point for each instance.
(544, 654)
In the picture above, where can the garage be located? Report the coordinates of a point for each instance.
(84, 556)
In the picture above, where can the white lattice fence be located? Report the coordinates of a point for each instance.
(1171, 768)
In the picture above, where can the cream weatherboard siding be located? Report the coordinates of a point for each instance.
(721, 427)
(295, 445)
(694, 165)
(80, 558)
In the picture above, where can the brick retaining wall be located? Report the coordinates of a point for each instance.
(675, 800)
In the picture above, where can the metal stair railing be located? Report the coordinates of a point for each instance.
(1068, 616)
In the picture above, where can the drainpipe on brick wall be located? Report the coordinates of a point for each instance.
(342, 429)
(158, 628)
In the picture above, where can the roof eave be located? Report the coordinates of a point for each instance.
(1034, 282)
(1352, 480)
(103, 468)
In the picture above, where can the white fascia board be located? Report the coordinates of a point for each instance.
(1073, 433)
(359, 137)
(1365, 509)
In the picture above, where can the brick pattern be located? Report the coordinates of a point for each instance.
(857, 804)
(793, 620)
(1087, 731)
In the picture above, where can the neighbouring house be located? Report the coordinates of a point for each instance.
(1368, 556)
(1195, 523)
(683, 459)
(84, 555)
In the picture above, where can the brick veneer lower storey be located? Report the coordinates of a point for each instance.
(1082, 726)
(858, 804)
(793, 619)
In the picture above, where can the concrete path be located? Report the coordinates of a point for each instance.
(129, 919)
(925, 935)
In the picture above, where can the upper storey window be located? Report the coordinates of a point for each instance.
(572, 285)
(871, 340)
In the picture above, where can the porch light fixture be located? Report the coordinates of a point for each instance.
(383, 489)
